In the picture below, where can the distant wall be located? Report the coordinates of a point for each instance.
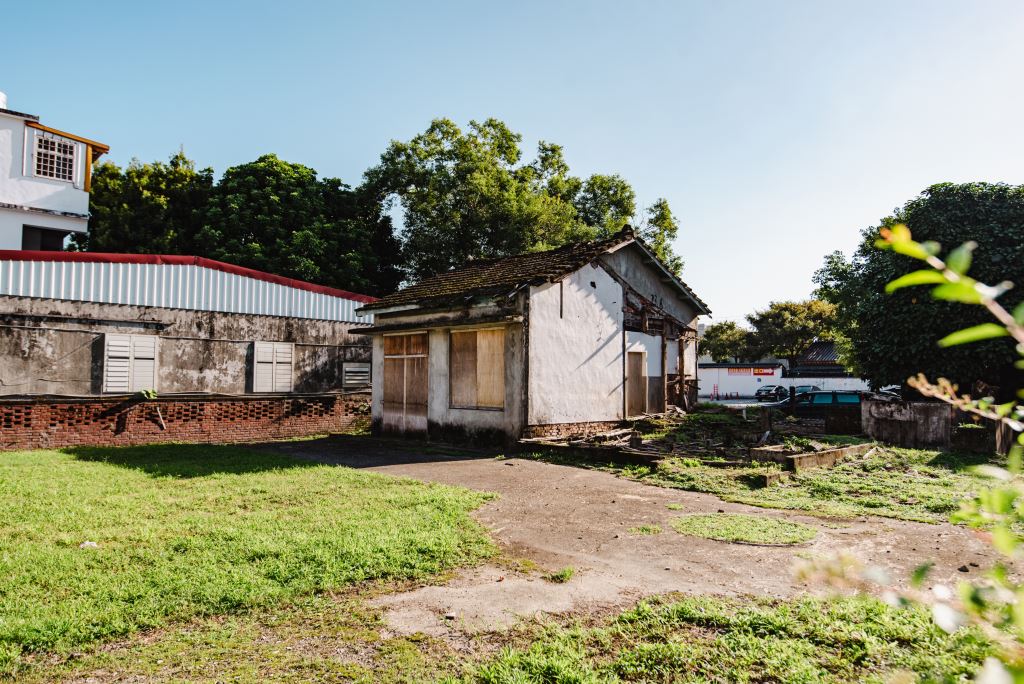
(746, 383)
(908, 423)
(56, 347)
(125, 421)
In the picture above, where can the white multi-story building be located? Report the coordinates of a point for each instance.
(44, 182)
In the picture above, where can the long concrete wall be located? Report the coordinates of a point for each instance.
(744, 385)
(56, 347)
(575, 359)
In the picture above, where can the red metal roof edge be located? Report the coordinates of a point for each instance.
(179, 260)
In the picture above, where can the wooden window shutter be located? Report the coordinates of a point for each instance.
(117, 363)
(129, 363)
(282, 367)
(272, 367)
(143, 362)
(477, 369)
(263, 367)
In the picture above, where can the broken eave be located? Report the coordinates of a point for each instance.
(459, 322)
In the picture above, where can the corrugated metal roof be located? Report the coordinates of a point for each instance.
(171, 282)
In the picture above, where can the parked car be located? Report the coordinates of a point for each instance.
(771, 393)
(818, 404)
(804, 389)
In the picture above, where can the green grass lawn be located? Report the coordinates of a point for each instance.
(193, 530)
(707, 639)
(909, 484)
(339, 638)
(745, 529)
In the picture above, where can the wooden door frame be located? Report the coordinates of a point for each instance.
(626, 379)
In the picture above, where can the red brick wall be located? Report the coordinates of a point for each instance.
(121, 421)
(571, 429)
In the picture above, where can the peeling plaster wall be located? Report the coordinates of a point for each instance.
(575, 360)
(56, 347)
(628, 263)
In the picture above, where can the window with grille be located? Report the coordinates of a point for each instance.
(477, 369)
(272, 367)
(55, 158)
(355, 375)
(129, 363)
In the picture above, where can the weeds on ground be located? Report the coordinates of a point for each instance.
(909, 484)
(562, 576)
(747, 529)
(645, 529)
(713, 639)
(177, 531)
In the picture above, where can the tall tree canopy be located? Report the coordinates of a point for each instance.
(725, 342)
(786, 329)
(467, 194)
(463, 194)
(154, 208)
(894, 336)
(277, 216)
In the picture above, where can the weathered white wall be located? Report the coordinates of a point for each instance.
(645, 278)
(673, 357)
(12, 221)
(24, 189)
(575, 356)
(642, 342)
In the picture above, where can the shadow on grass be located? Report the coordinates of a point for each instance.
(368, 452)
(187, 460)
(959, 460)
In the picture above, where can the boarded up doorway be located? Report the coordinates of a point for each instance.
(636, 384)
(405, 383)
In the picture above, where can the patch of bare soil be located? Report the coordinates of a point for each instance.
(560, 516)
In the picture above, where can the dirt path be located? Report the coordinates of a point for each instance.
(558, 516)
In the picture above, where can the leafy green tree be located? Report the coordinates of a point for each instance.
(154, 208)
(892, 338)
(786, 329)
(279, 217)
(468, 194)
(659, 230)
(725, 342)
(992, 602)
(605, 203)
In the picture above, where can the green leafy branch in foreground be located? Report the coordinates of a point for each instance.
(995, 603)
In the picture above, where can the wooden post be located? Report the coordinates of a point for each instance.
(664, 366)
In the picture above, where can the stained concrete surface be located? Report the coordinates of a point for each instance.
(559, 516)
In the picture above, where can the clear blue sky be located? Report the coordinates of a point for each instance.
(777, 130)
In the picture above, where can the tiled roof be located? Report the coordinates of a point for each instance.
(822, 352)
(495, 277)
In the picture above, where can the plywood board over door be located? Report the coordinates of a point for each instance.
(636, 383)
(405, 383)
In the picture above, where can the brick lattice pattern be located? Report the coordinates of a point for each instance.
(120, 421)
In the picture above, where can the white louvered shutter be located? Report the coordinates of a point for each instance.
(263, 367)
(143, 362)
(117, 363)
(282, 367)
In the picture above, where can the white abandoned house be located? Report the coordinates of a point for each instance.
(576, 338)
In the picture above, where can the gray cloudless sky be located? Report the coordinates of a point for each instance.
(777, 130)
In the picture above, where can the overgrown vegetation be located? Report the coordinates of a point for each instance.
(747, 529)
(707, 639)
(99, 543)
(909, 484)
(645, 530)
